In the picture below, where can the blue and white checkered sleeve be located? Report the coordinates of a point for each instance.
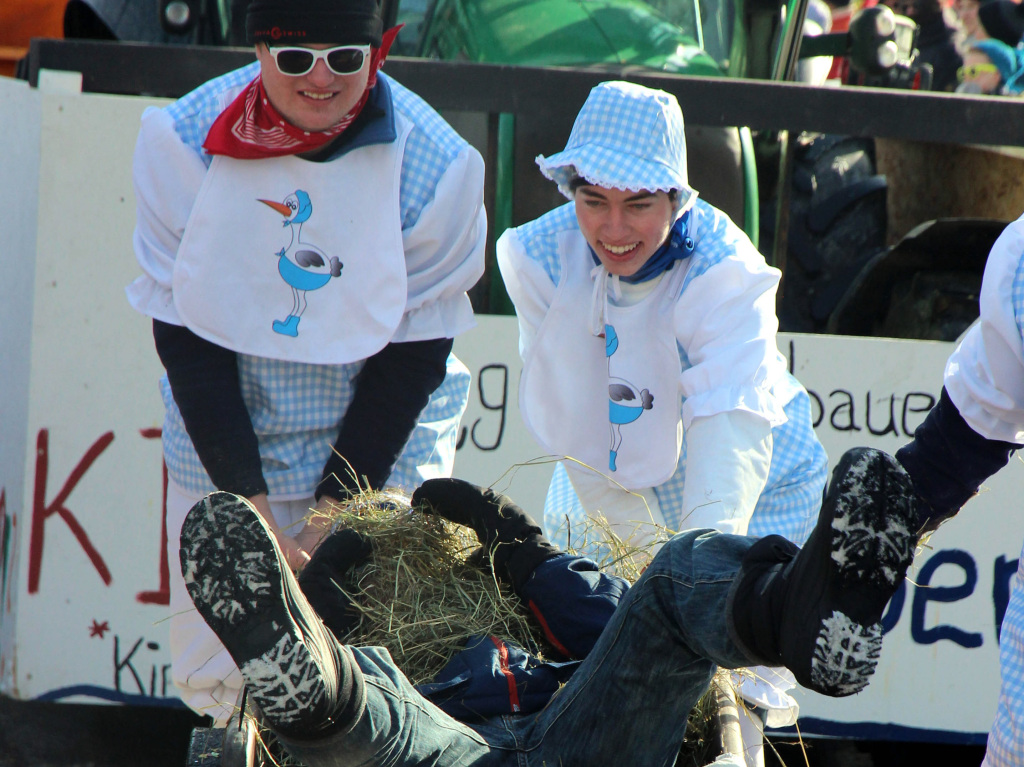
(1017, 296)
(194, 113)
(1004, 739)
(791, 498)
(430, 451)
(444, 226)
(1004, 748)
(526, 269)
(985, 373)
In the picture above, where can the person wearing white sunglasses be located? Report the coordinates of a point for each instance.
(307, 230)
(304, 86)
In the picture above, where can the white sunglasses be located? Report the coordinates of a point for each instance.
(342, 60)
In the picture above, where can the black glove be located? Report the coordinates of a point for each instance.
(511, 538)
(322, 578)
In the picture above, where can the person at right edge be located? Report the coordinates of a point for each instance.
(967, 437)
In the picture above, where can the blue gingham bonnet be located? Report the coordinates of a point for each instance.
(626, 136)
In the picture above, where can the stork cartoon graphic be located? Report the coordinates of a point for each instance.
(626, 403)
(302, 265)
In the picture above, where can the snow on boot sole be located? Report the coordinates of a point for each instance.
(872, 545)
(236, 577)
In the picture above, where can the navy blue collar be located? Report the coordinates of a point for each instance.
(678, 246)
(374, 125)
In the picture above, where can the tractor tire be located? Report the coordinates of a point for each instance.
(924, 287)
(837, 223)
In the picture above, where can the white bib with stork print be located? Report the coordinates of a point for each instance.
(611, 401)
(297, 260)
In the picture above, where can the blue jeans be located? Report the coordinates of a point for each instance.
(627, 703)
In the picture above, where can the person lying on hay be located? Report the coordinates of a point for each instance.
(644, 653)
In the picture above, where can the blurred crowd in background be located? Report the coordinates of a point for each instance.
(973, 46)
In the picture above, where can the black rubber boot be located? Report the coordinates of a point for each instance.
(514, 542)
(322, 579)
(297, 676)
(816, 609)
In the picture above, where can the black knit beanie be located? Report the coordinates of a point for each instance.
(298, 22)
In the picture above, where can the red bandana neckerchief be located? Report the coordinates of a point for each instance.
(251, 129)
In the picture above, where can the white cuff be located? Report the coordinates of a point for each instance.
(727, 460)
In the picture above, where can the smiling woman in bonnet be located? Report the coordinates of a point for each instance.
(647, 331)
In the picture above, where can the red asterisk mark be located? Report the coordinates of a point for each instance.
(98, 629)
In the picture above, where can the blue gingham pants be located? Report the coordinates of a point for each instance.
(1006, 739)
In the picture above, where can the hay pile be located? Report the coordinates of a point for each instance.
(622, 557)
(419, 595)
